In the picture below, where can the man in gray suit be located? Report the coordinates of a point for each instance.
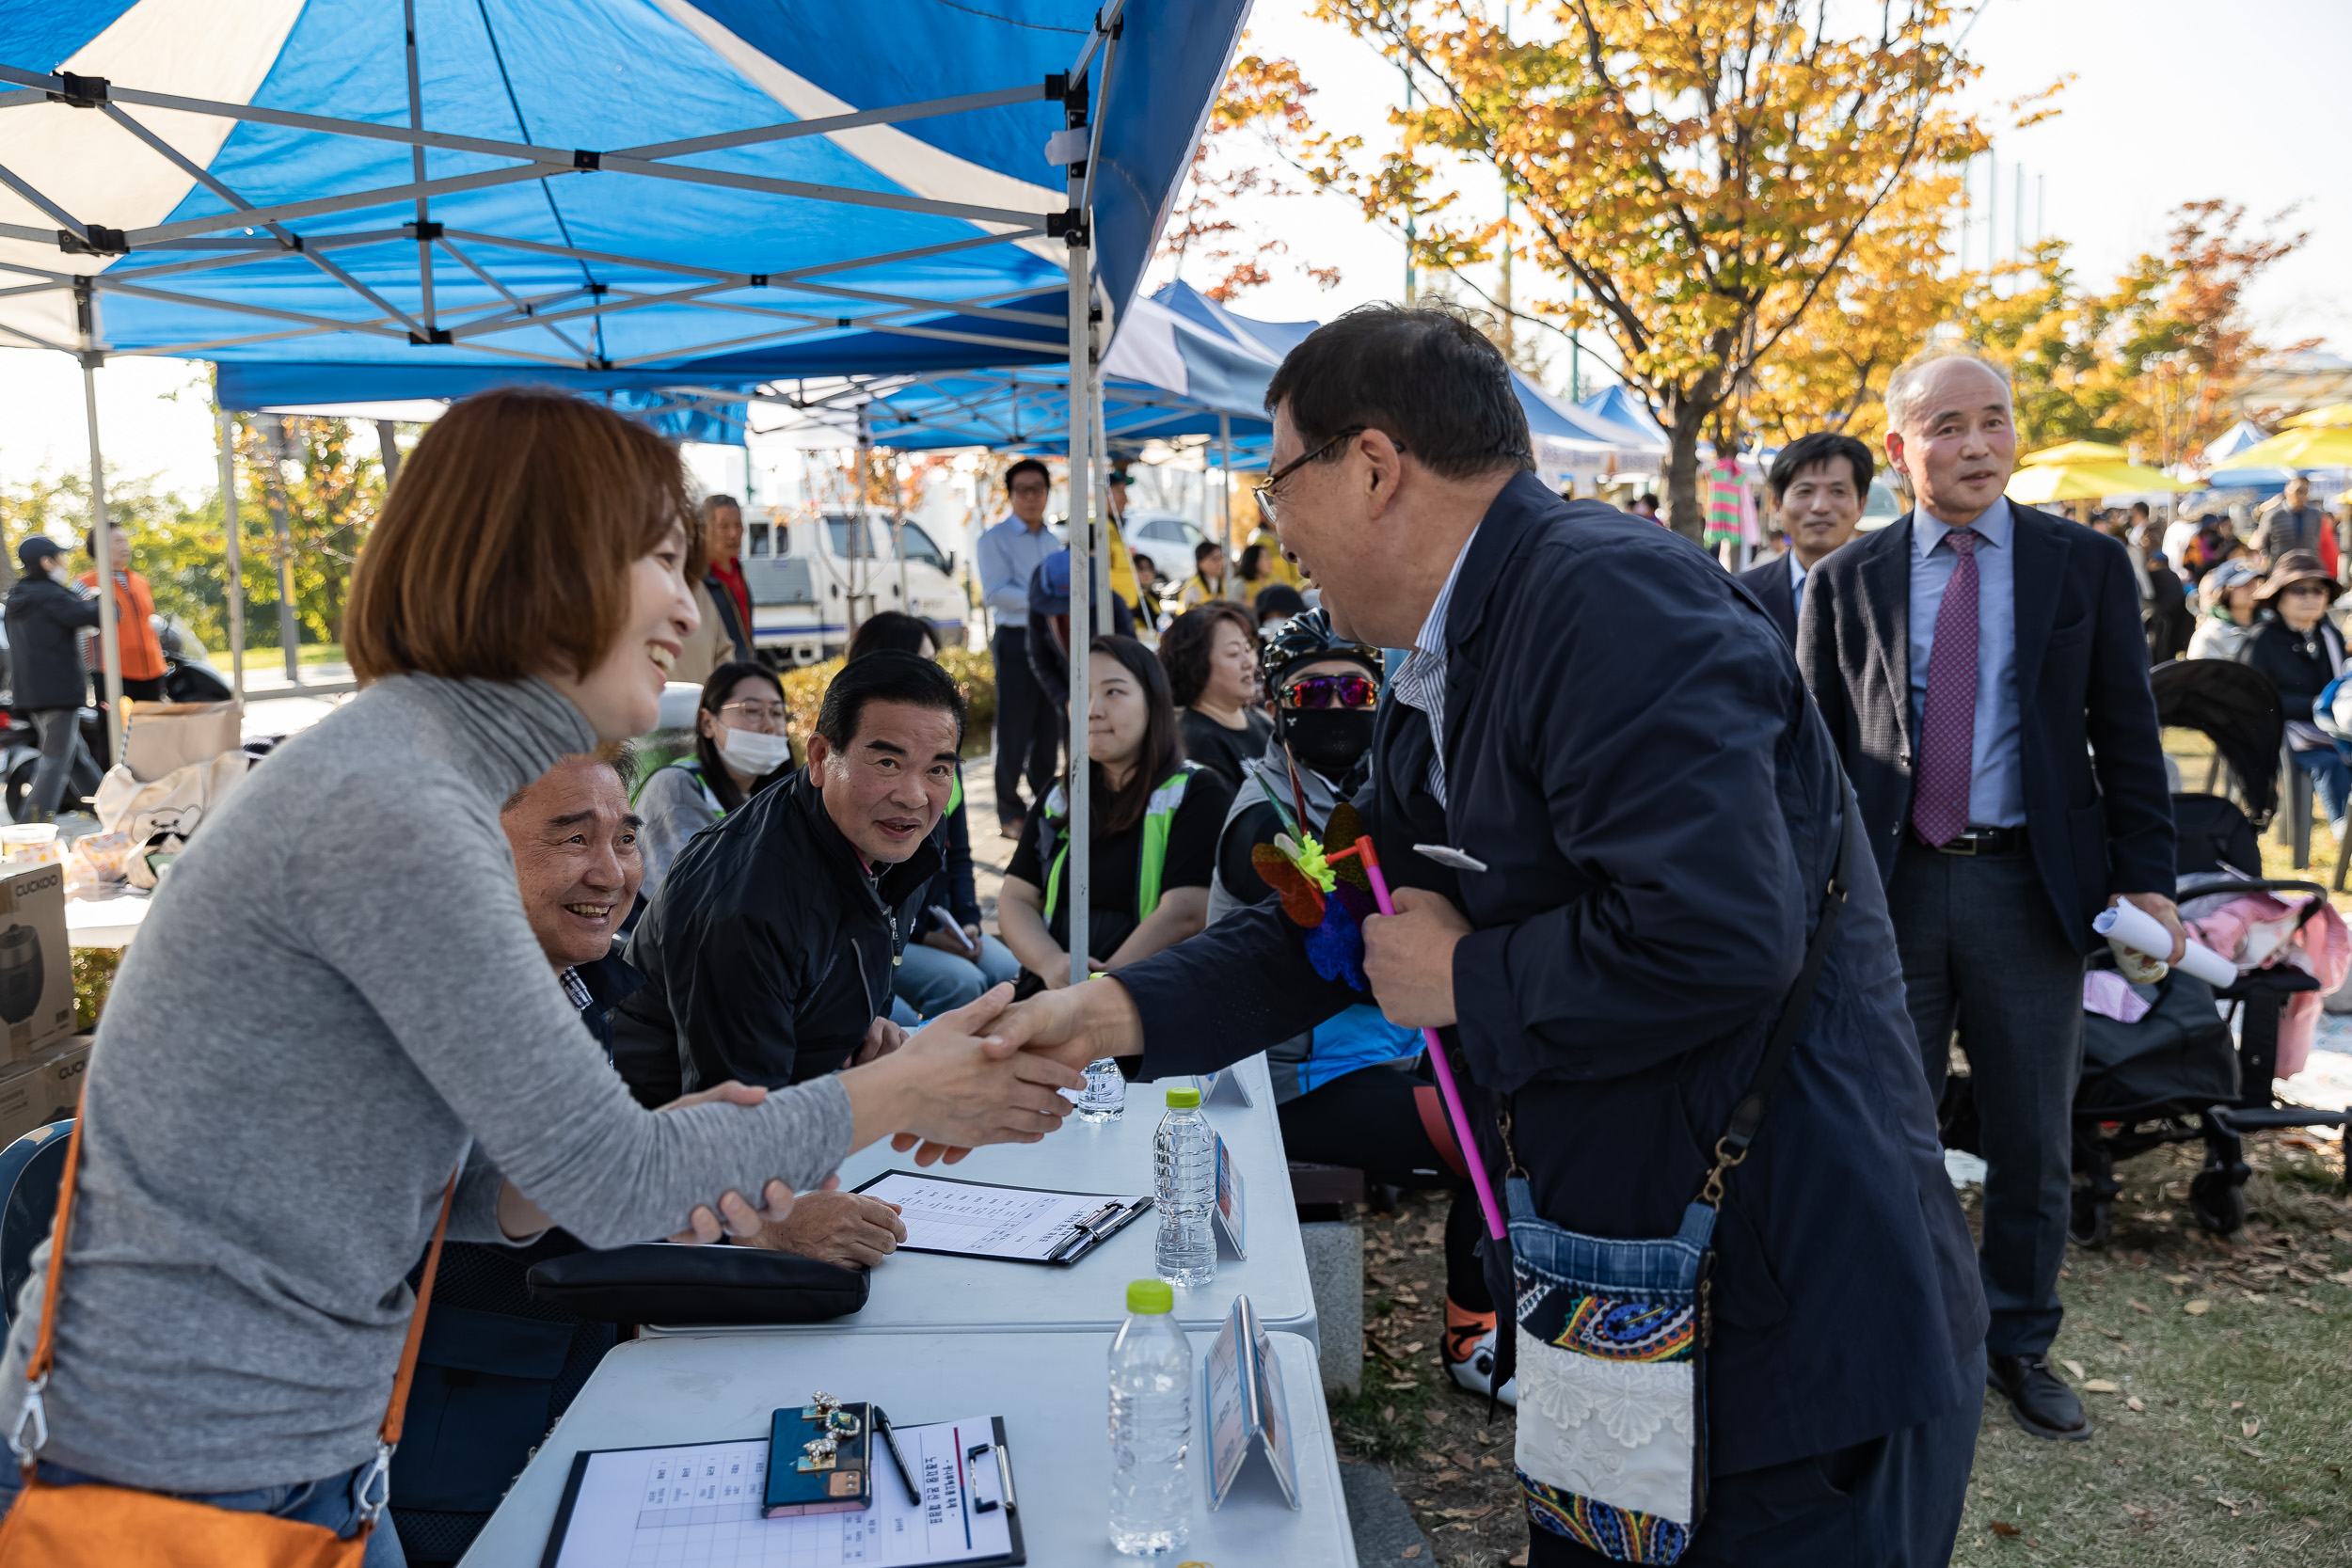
(1819, 484)
(2295, 526)
(1982, 669)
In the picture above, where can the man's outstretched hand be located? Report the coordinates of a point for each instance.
(1068, 1028)
(958, 1083)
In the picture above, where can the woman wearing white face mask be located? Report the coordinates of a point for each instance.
(740, 749)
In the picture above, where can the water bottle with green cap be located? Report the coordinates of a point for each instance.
(1151, 1425)
(1185, 1186)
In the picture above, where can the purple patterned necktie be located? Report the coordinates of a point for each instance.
(1948, 728)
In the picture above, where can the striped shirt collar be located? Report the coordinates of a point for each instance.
(1421, 679)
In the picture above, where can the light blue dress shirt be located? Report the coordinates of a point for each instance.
(1796, 583)
(1009, 555)
(1996, 782)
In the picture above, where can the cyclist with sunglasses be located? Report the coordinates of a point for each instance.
(1355, 1091)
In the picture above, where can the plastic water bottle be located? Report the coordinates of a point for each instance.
(1105, 1098)
(1184, 1187)
(1151, 1425)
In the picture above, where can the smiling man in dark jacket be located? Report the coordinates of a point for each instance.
(1636, 813)
(768, 950)
(47, 677)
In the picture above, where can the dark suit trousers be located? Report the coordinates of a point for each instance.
(1028, 731)
(1983, 950)
(1890, 1502)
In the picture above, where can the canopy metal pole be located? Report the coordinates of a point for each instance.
(859, 538)
(898, 537)
(1100, 447)
(1080, 826)
(288, 629)
(1225, 470)
(101, 545)
(225, 424)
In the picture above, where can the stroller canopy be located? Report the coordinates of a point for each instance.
(2238, 709)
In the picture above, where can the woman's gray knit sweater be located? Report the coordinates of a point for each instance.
(335, 990)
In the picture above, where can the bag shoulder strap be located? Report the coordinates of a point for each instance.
(44, 1355)
(1853, 863)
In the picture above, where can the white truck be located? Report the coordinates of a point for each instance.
(814, 575)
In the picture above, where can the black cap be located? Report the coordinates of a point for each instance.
(37, 550)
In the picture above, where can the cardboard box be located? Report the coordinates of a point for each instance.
(44, 1087)
(35, 963)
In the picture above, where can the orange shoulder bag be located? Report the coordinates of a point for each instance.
(97, 1525)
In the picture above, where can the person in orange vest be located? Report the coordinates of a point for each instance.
(135, 626)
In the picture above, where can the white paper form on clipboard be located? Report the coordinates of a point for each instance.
(1021, 1224)
(697, 1505)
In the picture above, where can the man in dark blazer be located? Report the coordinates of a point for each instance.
(1819, 484)
(1982, 667)
(1606, 948)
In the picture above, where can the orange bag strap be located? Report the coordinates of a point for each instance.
(397, 1411)
(44, 1344)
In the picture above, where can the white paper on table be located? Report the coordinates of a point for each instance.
(698, 1505)
(2143, 932)
(976, 1219)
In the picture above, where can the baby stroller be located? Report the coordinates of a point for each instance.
(2174, 1075)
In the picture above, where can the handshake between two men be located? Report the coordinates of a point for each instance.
(993, 1071)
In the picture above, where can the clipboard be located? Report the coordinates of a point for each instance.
(957, 1218)
(964, 1469)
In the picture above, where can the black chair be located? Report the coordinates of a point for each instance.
(31, 1170)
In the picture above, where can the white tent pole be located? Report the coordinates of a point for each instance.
(102, 546)
(225, 424)
(1080, 827)
(859, 539)
(1224, 589)
(416, 165)
(1099, 445)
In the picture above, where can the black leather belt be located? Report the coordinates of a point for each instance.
(1986, 842)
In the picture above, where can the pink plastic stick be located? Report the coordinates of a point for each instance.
(1362, 848)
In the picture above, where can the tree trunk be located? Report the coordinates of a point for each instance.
(1685, 510)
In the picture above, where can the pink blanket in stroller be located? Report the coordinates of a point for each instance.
(2257, 930)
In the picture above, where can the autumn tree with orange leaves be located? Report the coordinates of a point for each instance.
(1253, 128)
(1703, 170)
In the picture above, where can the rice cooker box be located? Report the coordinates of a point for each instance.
(35, 964)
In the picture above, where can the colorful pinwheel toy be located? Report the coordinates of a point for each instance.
(1329, 902)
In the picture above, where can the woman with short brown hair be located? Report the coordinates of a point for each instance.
(339, 1002)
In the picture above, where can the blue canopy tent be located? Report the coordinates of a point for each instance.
(589, 192)
(1165, 378)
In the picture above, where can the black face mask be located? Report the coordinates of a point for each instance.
(1330, 741)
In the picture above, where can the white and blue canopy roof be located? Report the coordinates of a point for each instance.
(599, 193)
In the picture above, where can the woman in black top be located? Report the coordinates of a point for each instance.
(2301, 653)
(1211, 655)
(1154, 828)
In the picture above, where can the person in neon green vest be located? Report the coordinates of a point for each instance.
(1154, 830)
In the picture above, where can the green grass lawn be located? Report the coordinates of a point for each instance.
(2218, 1374)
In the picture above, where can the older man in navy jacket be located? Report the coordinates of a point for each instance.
(1983, 669)
(1637, 811)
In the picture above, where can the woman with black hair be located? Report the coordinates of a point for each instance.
(1210, 656)
(1155, 819)
(739, 748)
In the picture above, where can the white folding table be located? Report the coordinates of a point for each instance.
(1049, 1388)
(923, 1293)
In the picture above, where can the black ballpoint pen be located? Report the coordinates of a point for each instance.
(890, 1441)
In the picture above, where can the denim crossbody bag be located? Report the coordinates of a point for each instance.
(1612, 1335)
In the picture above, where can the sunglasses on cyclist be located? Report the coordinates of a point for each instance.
(1319, 691)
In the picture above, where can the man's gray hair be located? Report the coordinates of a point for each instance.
(719, 503)
(1902, 388)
